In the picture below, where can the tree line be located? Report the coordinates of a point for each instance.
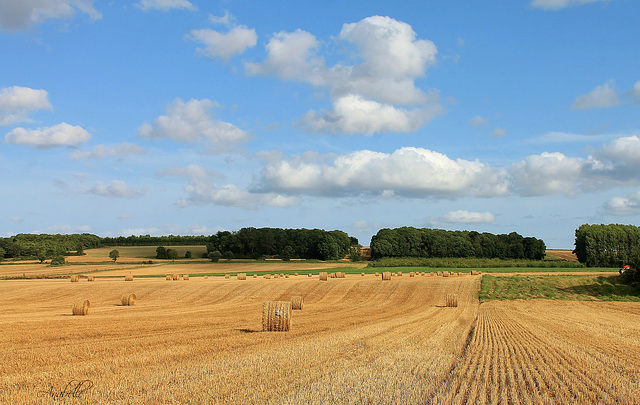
(46, 246)
(427, 242)
(612, 245)
(255, 243)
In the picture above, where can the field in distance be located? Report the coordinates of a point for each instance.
(356, 340)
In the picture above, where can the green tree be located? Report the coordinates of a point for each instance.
(57, 261)
(172, 254)
(188, 255)
(41, 256)
(214, 256)
(287, 253)
(114, 254)
(355, 254)
(2, 253)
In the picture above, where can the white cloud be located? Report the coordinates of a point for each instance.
(478, 120)
(366, 96)
(192, 122)
(603, 96)
(498, 133)
(59, 135)
(224, 45)
(20, 14)
(412, 172)
(116, 189)
(17, 102)
(547, 174)
(635, 92)
(226, 19)
(558, 4)
(625, 150)
(354, 115)
(102, 151)
(623, 206)
(467, 217)
(165, 5)
(203, 190)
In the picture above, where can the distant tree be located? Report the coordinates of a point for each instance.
(172, 254)
(161, 252)
(355, 254)
(287, 253)
(80, 250)
(214, 256)
(58, 261)
(114, 254)
(2, 253)
(41, 256)
(228, 255)
(188, 255)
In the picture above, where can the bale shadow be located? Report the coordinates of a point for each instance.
(246, 330)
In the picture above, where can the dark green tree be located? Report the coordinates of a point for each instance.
(114, 255)
(214, 256)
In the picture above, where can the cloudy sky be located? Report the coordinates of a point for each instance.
(191, 116)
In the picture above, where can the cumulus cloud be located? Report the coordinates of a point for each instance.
(623, 206)
(547, 174)
(58, 135)
(353, 114)
(17, 102)
(193, 122)
(558, 4)
(603, 96)
(635, 93)
(21, 14)
(478, 120)
(165, 5)
(390, 59)
(102, 151)
(116, 189)
(203, 190)
(467, 217)
(411, 172)
(224, 45)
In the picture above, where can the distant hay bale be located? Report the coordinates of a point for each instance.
(128, 277)
(309, 275)
(128, 300)
(439, 273)
(185, 277)
(175, 277)
(255, 276)
(227, 277)
(295, 274)
(386, 276)
(431, 274)
(341, 275)
(451, 300)
(323, 276)
(276, 316)
(377, 274)
(412, 274)
(475, 273)
(276, 275)
(168, 278)
(81, 308)
(445, 274)
(179, 277)
(242, 276)
(296, 302)
(362, 274)
(267, 276)
(75, 278)
(399, 274)
(91, 278)
(206, 277)
(333, 275)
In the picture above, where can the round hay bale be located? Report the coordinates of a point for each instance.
(276, 275)
(386, 276)
(362, 274)
(255, 276)
(474, 272)
(296, 302)
(439, 273)
(295, 274)
(91, 278)
(168, 278)
(332, 275)
(451, 300)
(412, 274)
(276, 316)
(81, 308)
(399, 274)
(175, 277)
(75, 278)
(242, 276)
(128, 277)
(267, 276)
(323, 276)
(377, 274)
(309, 275)
(179, 277)
(227, 277)
(185, 277)
(445, 274)
(206, 277)
(128, 300)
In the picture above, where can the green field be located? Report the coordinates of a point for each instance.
(558, 287)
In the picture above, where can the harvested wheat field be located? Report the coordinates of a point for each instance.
(358, 340)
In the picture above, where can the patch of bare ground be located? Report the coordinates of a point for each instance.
(562, 254)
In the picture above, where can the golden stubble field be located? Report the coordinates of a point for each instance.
(358, 340)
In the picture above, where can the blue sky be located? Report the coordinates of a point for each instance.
(187, 117)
